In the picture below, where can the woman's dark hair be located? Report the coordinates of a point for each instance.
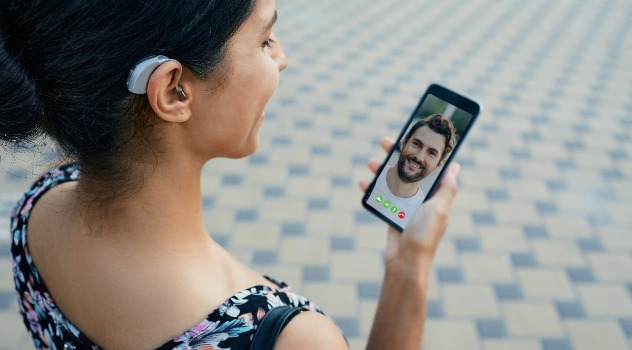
(64, 67)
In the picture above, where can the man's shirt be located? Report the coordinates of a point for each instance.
(398, 209)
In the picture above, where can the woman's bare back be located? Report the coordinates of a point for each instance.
(114, 290)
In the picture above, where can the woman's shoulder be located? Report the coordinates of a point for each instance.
(21, 212)
(55, 176)
(311, 330)
(36, 304)
(234, 322)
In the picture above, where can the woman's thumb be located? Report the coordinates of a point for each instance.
(448, 187)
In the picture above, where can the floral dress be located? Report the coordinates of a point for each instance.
(231, 326)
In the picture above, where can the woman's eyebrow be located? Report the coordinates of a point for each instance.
(272, 22)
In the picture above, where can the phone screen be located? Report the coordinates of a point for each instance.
(425, 147)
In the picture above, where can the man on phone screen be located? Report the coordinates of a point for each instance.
(423, 150)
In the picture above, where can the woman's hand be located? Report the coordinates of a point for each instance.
(408, 256)
(387, 143)
(417, 245)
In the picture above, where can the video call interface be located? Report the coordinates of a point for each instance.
(403, 184)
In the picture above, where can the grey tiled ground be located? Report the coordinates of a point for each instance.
(538, 253)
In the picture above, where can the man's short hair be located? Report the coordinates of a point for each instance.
(441, 126)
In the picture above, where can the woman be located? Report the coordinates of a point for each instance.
(109, 247)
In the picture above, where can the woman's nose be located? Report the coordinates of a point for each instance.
(280, 56)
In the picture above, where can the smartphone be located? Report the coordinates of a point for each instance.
(427, 144)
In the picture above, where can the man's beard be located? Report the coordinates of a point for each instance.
(401, 170)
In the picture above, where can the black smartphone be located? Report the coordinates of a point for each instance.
(425, 147)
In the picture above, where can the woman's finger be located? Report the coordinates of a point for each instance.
(387, 143)
(373, 165)
(448, 187)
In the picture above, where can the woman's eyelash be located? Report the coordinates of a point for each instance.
(269, 42)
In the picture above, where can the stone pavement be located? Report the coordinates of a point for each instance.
(538, 252)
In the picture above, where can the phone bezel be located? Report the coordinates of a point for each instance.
(450, 96)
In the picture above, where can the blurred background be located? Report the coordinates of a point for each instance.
(538, 252)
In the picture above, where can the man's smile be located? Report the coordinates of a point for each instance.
(414, 164)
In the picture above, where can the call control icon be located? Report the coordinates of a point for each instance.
(394, 210)
(401, 215)
(387, 204)
(379, 199)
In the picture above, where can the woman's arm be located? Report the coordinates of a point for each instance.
(400, 316)
(401, 313)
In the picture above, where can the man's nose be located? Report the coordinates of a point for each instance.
(422, 158)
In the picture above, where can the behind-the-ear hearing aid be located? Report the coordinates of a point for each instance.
(139, 75)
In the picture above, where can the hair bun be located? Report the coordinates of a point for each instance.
(21, 113)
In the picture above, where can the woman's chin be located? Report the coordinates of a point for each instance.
(246, 150)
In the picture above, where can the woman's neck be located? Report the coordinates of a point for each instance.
(165, 210)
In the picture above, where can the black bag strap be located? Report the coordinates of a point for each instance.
(271, 326)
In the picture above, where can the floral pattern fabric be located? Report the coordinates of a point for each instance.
(230, 326)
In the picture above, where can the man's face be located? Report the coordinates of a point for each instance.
(421, 155)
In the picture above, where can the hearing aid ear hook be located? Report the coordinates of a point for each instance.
(140, 74)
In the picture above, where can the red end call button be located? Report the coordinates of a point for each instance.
(401, 215)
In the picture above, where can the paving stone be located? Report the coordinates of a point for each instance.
(316, 273)
(491, 329)
(264, 257)
(550, 284)
(532, 319)
(439, 334)
(470, 301)
(449, 275)
(487, 267)
(508, 292)
(434, 309)
(540, 230)
(596, 334)
(556, 344)
(596, 300)
(570, 309)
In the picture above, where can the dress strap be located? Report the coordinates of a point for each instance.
(22, 210)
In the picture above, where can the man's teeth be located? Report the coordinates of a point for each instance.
(414, 165)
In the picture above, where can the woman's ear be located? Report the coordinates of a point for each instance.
(167, 94)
